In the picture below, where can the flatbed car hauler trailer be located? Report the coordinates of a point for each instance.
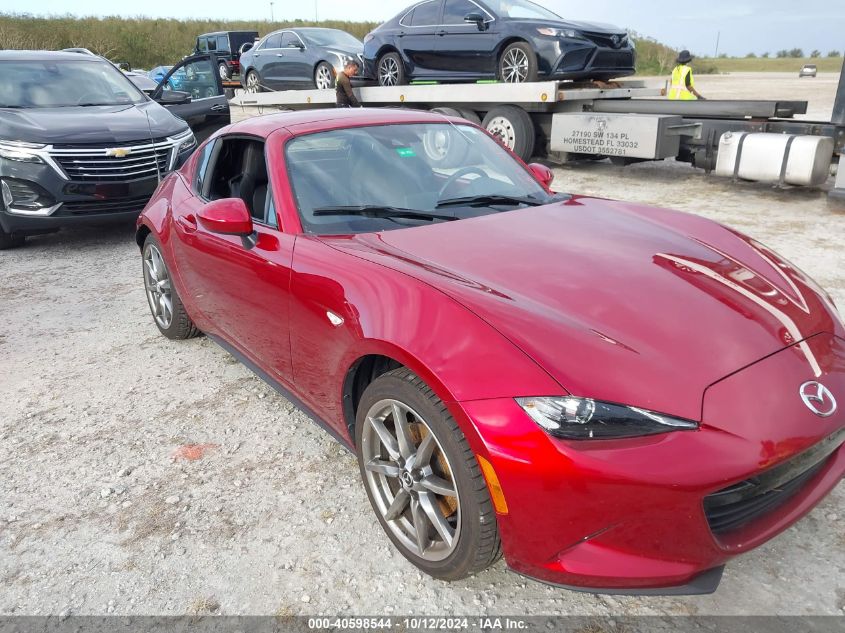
(625, 121)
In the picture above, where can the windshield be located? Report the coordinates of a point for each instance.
(65, 83)
(329, 37)
(415, 173)
(521, 9)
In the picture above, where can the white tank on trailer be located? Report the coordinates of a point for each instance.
(791, 159)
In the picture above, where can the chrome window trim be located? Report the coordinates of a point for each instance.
(422, 26)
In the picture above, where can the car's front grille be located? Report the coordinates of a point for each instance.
(131, 161)
(614, 59)
(607, 40)
(92, 207)
(735, 506)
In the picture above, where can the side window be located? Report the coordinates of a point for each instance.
(202, 166)
(455, 11)
(222, 43)
(426, 14)
(212, 44)
(273, 41)
(290, 40)
(196, 77)
(240, 171)
(202, 45)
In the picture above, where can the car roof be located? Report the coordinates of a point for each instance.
(46, 56)
(224, 33)
(302, 121)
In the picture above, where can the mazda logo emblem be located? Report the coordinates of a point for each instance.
(818, 398)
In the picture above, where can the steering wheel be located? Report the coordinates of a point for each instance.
(459, 174)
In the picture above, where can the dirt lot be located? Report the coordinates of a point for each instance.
(103, 510)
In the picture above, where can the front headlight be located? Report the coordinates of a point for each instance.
(18, 151)
(559, 32)
(574, 418)
(186, 141)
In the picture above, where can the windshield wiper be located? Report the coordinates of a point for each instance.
(381, 211)
(480, 201)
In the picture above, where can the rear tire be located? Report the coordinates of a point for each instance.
(518, 64)
(514, 129)
(9, 241)
(390, 71)
(168, 312)
(468, 515)
(225, 73)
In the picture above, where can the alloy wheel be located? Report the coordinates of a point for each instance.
(410, 479)
(388, 72)
(324, 77)
(252, 82)
(224, 74)
(515, 66)
(157, 285)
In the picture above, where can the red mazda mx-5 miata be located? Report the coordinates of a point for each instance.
(618, 397)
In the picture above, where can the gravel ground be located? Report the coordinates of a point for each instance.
(144, 476)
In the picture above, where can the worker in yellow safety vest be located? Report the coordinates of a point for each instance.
(683, 83)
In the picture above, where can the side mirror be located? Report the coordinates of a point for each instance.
(173, 97)
(228, 216)
(298, 45)
(543, 174)
(477, 19)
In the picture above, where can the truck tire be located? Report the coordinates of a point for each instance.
(225, 72)
(9, 241)
(518, 64)
(390, 71)
(440, 146)
(513, 127)
(470, 115)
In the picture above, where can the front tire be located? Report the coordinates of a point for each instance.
(253, 82)
(390, 70)
(423, 480)
(167, 309)
(518, 64)
(323, 76)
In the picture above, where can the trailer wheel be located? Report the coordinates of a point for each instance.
(440, 146)
(390, 70)
(469, 115)
(513, 128)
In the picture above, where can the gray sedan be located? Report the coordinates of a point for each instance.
(298, 58)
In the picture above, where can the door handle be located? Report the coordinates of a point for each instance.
(280, 54)
(220, 107)
(442, 33)
(187, 222)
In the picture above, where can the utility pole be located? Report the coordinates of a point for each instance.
(718, 35)
(316, 14)
(271, 13)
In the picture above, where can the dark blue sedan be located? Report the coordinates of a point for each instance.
(510, 40)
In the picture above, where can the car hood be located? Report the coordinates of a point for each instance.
(93, 124)
(616, 301)
(591, 27)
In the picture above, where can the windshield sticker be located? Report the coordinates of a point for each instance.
(406, 152)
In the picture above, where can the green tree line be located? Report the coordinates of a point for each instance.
(148, 42)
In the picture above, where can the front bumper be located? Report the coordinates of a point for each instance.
(73, 202)
(582, 59)
(628, 516)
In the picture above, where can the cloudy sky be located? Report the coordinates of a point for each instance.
(744, 25)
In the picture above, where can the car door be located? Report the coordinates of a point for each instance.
(241, 286)
(296, 63)
(461, 47)
(267, 60)
(207, 110)
(417, 38)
